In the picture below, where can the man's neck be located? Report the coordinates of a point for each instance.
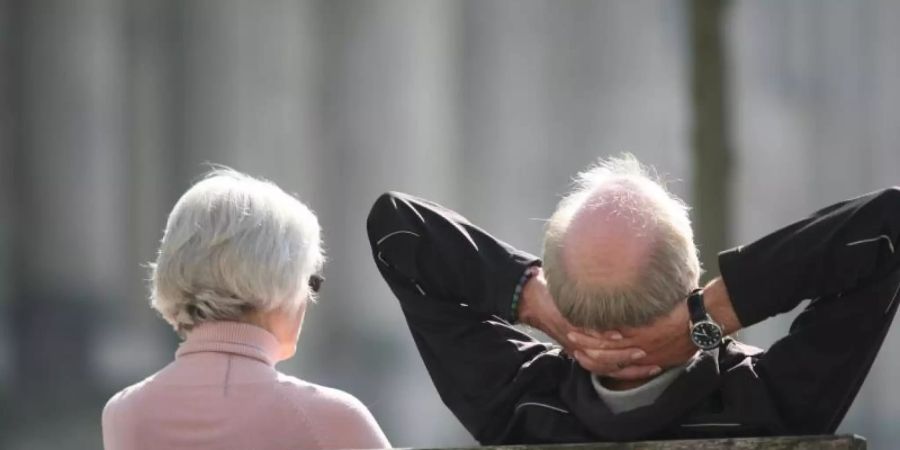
(620, 397)
(614, 384)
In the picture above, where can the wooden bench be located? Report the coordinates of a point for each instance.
(825, 442)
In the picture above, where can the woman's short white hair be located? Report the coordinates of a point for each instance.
(234, 245)
(672, 269)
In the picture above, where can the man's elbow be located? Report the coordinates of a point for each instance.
(383, 214)
(395, 228)
(888, 202)
(393, 216)
(891, 195)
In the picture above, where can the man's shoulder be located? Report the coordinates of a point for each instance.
(734, 354)
(738, 348)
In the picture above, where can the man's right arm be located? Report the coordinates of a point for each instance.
(844, 258)
(839, 248)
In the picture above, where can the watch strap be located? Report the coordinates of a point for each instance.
(696, 308)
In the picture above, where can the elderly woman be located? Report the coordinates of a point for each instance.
(236, 269)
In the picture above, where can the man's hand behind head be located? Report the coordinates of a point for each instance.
(666, 340)
(538, 310)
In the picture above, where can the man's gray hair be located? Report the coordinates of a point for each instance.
(672, 268)
(234, 245)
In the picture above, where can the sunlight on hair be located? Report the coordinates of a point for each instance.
(624, 189)
(234, 244)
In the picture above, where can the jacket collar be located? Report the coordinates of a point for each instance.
(700, 378)
(231, 337)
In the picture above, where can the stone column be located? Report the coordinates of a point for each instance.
(7, 211)
(390, 94)
(550, 87)
(70, 259)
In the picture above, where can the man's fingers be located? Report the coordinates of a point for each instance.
(617, 356)
(635, 372)
(603, 362)
(600, 366)
(612, 335)
(599, 341)
(593, 366)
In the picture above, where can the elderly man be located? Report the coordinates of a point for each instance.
(645, 352)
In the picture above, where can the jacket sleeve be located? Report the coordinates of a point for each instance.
(455, 285)
(841, 247)
(844, 259)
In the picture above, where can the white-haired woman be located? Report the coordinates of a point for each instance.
(237, 266)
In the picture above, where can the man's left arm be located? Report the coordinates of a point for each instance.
(844, 257)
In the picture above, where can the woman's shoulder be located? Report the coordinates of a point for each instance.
(130, 392)
(334, 413)
(312, 394)
(122, 401)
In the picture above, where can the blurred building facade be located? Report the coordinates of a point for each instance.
(110, 108)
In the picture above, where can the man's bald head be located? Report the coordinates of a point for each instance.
(619, 249)
(606, 241)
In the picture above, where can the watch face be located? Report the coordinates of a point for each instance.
(706, 335)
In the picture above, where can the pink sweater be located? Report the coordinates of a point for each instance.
(223, 392)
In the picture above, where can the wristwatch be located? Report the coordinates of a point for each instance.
(705, 333)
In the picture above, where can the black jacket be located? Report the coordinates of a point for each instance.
(455, 285)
